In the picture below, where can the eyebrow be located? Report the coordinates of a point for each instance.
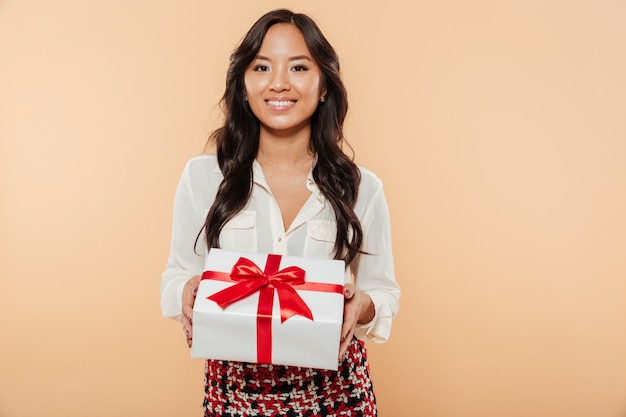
(293, 58)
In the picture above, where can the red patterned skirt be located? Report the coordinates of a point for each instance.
(248, 389)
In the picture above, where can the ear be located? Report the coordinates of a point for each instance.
(323, 94)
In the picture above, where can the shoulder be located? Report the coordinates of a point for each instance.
(202, 173)
(203, 167)
(370, 190)
(370, 182)
(371, 203)
(204, 162)
(200, 180)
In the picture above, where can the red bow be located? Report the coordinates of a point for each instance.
(250, 279)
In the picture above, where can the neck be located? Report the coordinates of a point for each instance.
(284, 150)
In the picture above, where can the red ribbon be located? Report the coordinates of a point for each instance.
(250, 278)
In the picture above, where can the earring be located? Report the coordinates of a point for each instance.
(323, 99)
(245, 98)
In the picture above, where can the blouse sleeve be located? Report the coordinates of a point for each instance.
(184, 261)
(374, 270)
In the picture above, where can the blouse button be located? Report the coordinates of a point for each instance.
(280, 239)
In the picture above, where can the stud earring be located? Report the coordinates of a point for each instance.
(245, 98)
(323, 99)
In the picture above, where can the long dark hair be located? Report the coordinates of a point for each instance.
(237, 141)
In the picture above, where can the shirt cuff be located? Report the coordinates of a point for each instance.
(379, 328)
(172, 301)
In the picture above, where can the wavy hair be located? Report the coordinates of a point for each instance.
(237, 141)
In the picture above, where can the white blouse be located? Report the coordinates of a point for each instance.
(259, 228)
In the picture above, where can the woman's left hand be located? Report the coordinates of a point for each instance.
(357, 308)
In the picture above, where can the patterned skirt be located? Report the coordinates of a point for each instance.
(247, 389)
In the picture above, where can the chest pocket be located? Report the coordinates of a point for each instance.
(320, 239)
(240, 233)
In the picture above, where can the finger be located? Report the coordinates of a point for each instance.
(188, 324)
(188, 313)
(189, 337)
(190, 290)
(187, 329)
(345, 343)
(348, 291)
(349, 317)
(191, 286)
(189, 296)
(347, 328)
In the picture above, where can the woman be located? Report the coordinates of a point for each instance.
(280, 183)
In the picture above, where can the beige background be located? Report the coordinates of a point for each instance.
(497, 127)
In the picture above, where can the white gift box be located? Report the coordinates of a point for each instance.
(244, 330)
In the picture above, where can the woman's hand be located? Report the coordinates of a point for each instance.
(357, 308)
(189, 296)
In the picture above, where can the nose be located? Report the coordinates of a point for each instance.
(280, 81)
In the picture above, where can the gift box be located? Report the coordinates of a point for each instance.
(267, 308)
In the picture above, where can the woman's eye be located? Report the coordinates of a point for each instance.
(261, 68)
(299, 68)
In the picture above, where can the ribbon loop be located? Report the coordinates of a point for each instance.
(250, 279)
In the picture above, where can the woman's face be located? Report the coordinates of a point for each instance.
(283, 82)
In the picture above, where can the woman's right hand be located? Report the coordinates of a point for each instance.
(189, 296)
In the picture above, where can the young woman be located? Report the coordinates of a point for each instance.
(281, 183)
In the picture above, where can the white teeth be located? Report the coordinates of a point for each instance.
(281, 103)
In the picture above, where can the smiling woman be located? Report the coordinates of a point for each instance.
(280, 183)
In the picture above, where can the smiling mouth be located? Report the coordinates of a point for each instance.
(280, 103)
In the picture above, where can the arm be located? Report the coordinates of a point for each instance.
(373, 302)
(374, 272)
(183, 262)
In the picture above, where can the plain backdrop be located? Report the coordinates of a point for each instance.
(498, 128)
